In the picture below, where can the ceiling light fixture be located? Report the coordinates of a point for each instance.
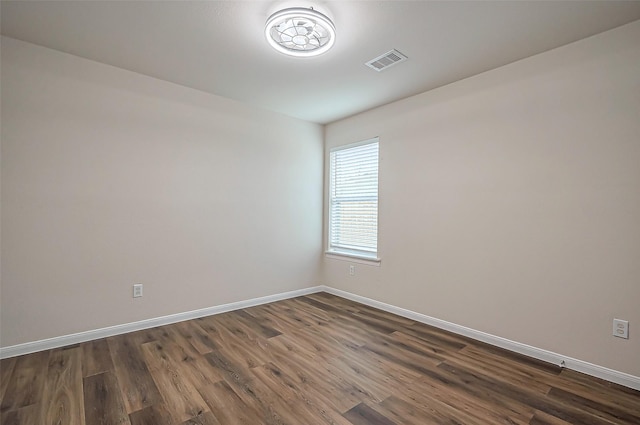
(298, 31)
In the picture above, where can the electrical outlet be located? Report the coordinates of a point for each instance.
(621, 328)
(352, 270)
(137, 290)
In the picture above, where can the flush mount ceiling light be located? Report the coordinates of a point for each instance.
(298, 31)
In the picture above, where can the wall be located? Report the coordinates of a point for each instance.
(510, 201)
(111, 178)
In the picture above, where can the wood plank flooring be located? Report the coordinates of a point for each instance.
(317, 359)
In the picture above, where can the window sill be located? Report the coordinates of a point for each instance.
(354, 258)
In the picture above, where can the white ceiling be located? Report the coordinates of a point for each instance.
(219, 46)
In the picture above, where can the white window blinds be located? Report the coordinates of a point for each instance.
(353, 197)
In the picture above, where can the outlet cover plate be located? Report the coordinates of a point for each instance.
(137, 290)
(621, 328)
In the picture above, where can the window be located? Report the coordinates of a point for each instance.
(353, 200)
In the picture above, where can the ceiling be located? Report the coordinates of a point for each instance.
(219, 46)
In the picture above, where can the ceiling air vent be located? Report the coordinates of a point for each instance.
(387, 60)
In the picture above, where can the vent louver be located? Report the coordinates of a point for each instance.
(386, 60)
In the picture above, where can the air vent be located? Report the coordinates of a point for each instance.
(387, 60)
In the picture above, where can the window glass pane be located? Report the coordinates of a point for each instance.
(353, 196)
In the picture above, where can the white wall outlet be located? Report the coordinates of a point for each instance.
(621, 328)
(137, 290)
(352, 270)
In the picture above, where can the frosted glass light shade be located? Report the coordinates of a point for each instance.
(300, 32)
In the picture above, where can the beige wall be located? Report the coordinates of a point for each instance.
(111, 178)
(510, 201)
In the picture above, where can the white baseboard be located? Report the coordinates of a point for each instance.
(610, 375)
(61, 341)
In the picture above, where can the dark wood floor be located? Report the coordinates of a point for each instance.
(317, 359)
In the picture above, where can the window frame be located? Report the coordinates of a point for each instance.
(341, 253)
